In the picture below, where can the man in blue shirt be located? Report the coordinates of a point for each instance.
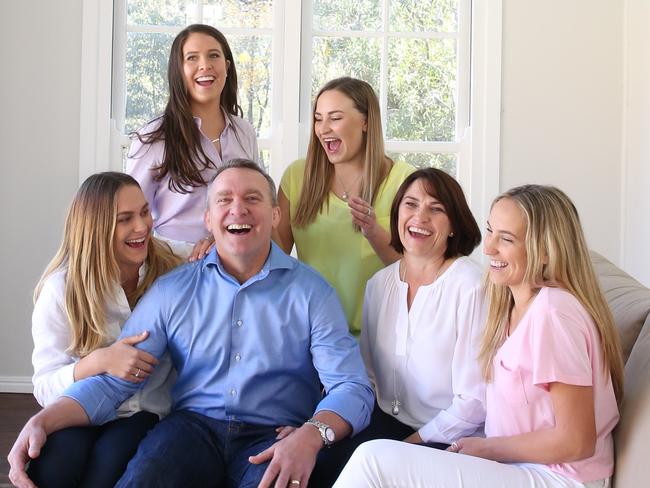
(253, 334)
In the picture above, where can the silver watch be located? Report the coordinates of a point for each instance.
(326, 432)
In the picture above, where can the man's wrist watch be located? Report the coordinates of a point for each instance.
(326, 432)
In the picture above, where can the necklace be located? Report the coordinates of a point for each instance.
(346, 194)
(396, 403)
(216, 139)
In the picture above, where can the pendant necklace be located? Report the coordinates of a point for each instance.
(396, 404)
(345, 195)
(215, 140)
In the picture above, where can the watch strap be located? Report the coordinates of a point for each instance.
(322, 428)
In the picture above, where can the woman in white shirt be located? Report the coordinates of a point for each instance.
(551, 357)
(105, 263)
(422, 319)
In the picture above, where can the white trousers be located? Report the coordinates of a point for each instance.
(394, 464)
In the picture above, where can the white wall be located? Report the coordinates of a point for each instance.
(39, 136)
(636, 150)
(562, 90)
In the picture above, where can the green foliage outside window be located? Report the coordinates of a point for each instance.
(421, 76)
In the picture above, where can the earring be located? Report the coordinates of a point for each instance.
(451, 234)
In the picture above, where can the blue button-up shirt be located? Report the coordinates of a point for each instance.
(253, 352)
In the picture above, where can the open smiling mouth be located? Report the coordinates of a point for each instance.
(332, 144)
(418, 231)
(239, 229)
(136, 243)
(205, 80)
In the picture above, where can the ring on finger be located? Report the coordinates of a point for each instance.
(137, 373)
(369, 211)
(294, 482)
(454, 447)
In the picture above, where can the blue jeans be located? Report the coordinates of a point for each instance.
(188, 449)
(94, 456)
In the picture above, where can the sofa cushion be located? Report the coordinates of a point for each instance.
(628, 299)
(632, 434)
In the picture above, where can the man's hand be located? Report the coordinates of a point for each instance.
(284, 431)
(65, 412)
(27, 446)
(292, 458)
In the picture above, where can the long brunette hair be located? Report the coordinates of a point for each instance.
(184, 159)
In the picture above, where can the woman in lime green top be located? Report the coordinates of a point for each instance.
(336, 203)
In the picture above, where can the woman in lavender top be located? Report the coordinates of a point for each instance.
(175, 156)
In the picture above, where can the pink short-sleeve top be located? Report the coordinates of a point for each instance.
(556, 341)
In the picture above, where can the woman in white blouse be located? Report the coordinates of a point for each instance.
(422, 320)
(105, 263)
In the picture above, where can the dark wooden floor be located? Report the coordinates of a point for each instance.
(15, 409)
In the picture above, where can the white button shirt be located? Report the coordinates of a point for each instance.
(54, 364)
(426, 357)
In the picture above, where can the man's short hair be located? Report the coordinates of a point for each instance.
(247, 164)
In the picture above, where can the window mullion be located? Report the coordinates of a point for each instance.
(383, 66)
(286, 85)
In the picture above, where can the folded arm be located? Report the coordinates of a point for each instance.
(572, 438)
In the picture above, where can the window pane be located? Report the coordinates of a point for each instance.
(424, 15)
(340, 15)
(421, 89)
(252, 56)
(146, 77)
(240, 14)
(443, 161)
(342, 56)
(161, 12)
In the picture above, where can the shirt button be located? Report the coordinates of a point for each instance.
(237, 357)
(239, 323)
(233, 392)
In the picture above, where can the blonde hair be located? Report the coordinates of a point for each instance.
(87, 254)
(556, 256)
(319, 172)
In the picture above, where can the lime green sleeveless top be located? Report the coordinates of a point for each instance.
(330, 244)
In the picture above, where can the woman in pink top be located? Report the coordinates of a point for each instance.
(551, 357)
(175, 156)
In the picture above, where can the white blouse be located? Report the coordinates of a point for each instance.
(54, 364)
(426, 357)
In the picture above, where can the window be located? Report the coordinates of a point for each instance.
(417, 54)
(144, 31)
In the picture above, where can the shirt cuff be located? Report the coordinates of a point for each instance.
(355, 409)
(446, 428)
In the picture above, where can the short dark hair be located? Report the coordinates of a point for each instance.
(243, 163)
(446, 189)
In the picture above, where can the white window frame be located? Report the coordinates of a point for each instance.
(477, 126)
(383, 35)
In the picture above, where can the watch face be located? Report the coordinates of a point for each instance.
(329, 433)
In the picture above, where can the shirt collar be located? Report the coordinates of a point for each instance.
(226, 118)
(277, 259)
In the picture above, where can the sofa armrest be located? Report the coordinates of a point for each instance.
(633, 431)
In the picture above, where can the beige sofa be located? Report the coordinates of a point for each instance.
(630, 304)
